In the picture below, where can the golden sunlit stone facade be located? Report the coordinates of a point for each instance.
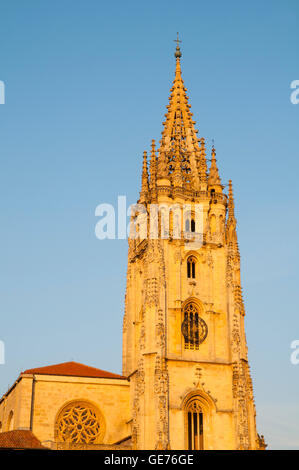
(184, 345)
(69, 406)
(186, 380)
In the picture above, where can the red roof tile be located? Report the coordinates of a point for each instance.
(73, 369)
(19, 439)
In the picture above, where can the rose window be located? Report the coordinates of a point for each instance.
(80, 423)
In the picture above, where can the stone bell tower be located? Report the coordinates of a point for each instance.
(184, 345)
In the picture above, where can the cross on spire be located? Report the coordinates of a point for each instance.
(177, 40)
(177, 53)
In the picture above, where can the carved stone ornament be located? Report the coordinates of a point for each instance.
(151, 291)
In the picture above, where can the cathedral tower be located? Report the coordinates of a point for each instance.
(184, 345)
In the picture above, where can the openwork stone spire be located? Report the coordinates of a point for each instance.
(179, 151)
(178, 117)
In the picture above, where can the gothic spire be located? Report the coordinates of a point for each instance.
(178, 116)
(179, 148)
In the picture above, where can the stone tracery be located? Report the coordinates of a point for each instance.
(80, 422)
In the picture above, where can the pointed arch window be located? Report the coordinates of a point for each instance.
(191, 267)
(194, 328)
(194, 425)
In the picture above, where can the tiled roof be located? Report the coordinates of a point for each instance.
(74, 369)
(19, 439)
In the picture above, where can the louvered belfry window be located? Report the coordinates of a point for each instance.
(195, 426)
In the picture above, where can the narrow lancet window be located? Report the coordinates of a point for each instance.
(191, 268)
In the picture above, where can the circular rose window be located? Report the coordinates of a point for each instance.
(80, 423)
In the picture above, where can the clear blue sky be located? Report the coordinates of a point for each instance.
(87, 83)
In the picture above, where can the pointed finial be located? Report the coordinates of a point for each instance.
(145, 162)
(153, 171)
(231, 204)
(144, 179)
(177, 53)
(213, 150)
(144, 171)
(153, 162)
(214, 178)
(231, 233)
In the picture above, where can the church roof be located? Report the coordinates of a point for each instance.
(74, 369)
(19, 439)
